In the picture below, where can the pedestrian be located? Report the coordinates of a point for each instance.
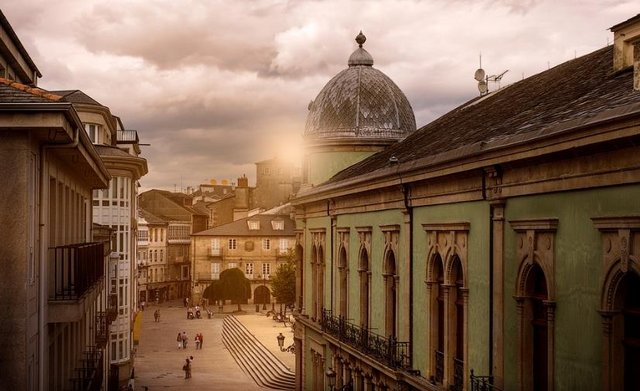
(187, 367)
(156, 315)
(179, 339)
(142, 305)
(201, 339)
(197, 339)
(184, 340)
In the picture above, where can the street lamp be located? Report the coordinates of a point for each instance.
(331, 375)
(290, 348)
(280, 338)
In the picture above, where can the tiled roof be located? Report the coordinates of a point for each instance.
(109, 150)
(77, 96)
(575, 90)
(14, 92)
(241, 228)
(151, 218)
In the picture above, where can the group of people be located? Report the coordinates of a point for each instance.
(182, 340)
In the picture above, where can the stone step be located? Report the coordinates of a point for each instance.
(254, 358)
(255, 355)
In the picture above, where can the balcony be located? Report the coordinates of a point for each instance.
(388, 351)
(75, 268)
(89, 374)
(482, 383)
(127, 135)
(102, 329)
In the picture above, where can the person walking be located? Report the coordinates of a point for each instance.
(185, 339)
(179, 339)
(197, 339)
(187, 367)
(156, 316)
(201, 340)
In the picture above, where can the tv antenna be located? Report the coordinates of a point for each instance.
(483, 80)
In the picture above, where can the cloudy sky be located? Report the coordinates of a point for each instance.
(215, 86)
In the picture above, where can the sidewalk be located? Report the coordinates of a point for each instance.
(158, 362)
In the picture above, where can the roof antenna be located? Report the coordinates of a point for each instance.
(483, 79)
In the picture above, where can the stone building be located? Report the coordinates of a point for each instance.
(55, 307)
(115, 207)
(174, 220)
(502, 237)
(277, 180)
(257, 245)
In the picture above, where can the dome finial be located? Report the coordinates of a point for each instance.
(360, 39)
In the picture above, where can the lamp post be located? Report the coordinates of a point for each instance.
(331, 375)
(280, 338)
(290, 348)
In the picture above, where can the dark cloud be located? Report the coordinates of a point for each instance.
(217, 86)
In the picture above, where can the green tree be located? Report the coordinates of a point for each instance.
(283, 282)
(234, 286)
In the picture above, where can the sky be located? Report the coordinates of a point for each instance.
(215, 86)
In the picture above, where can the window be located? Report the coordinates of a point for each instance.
(232, 265)
(215, 246)
(253, 225)
(232, 244)
(248, 270)
(266, 270)
(266, 244)
(93, 131)
(277, 225)
(215, 271)
(283, 246)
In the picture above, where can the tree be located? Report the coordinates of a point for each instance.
(283, 282)
(234, 286)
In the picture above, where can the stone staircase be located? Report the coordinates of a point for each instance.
(254, 358)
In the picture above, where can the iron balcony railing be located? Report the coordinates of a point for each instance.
(482, 383)
(458, 375)
(75, 268)
(89, 374)
(386, 350)
(439, 366)
(102, 328)
(127, 135)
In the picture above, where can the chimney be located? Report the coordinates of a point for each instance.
(243, 181)
(626, 47)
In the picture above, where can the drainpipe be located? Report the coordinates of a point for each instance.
(405, 192)
(44, 299)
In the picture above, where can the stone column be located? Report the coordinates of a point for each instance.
(449, 328)
(551, 310)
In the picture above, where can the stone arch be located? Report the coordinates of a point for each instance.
(261, 295)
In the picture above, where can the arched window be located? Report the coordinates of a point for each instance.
(390, 276)
(538, 332)
(457, 301)
(342, 266)
(314, 283)
(363, 270)
(320, 294)
(630, 300)
(437, 303)
(300, 276)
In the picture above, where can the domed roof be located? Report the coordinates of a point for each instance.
(360, 102)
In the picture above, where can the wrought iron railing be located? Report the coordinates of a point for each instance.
(102, 329)
(458, 374)
(439, 366)
(89, 374)
(76, 267)
(482, 383)
(127, 135)
(112, 307)
(386, 350)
